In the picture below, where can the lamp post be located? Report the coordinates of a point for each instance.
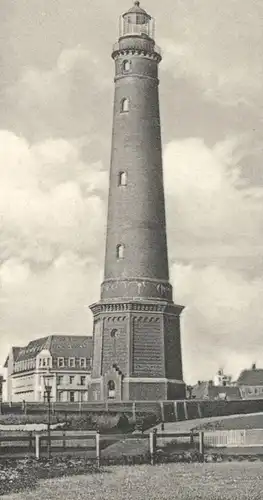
(47, 377)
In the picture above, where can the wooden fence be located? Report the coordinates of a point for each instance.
(91, 445)
(234, 438)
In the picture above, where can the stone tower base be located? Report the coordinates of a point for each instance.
(137, 351)
(141, 389)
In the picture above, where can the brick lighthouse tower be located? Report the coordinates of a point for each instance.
(137, 347)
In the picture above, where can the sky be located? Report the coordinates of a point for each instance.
(56, 94)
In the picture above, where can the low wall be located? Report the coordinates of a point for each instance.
(167, 411)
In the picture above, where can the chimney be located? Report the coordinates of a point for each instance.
(254, 366)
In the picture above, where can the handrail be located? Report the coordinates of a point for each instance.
(116, 47)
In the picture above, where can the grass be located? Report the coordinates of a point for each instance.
(224, 481)
(254, 421)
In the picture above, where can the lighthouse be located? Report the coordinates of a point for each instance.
(136, 333)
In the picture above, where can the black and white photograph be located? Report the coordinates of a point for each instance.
(131, 260)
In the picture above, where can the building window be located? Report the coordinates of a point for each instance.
(60, 380)
(82, 380)
(83, 396)
(60, 396)
(71, 362)
(61, 362)
(125, 105)
(71, 379)
(122, 180)
(82, 362)
(120, 251)
(111, 389)
(72, 397)
(45, 362)
(126, 65)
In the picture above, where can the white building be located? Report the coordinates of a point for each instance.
(67, 359)
(220, 379)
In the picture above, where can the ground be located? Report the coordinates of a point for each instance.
(222, 481)
(246, 421)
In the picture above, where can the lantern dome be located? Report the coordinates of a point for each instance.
(137, 9)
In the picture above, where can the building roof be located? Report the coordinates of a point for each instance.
(59, 346)
(254, 376)
(15, 352)
(206, 390)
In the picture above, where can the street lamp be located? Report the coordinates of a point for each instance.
(47, 377)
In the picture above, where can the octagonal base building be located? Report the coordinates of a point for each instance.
(136, 334)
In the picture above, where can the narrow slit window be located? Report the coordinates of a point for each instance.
(126, 65)
(122, 179)
(120, 251)
(125, 105)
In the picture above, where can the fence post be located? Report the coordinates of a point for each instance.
(152, 445)
(64, 440)
(185, 410)
(133, 412)
(98, 448)
(37, 446)
(162, 411)
(199, 410)
(176, 411)
(201, 445)
(30, 441)
(24, 407)
(191, 438)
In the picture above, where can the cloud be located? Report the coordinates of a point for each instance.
(66, 100)
(223, 320)
(53, 177)
(52, 243)
(213, 215)
(54, 299)
(216, 212)
(217, 45)
(51, 200)
(52, 208)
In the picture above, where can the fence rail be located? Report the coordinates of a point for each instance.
(91, 444)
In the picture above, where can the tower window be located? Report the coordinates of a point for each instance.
(126, 65)
(113, 334)
(120, 251)
(125, 105)
(122, 181)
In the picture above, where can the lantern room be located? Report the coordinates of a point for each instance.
(136, 21)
